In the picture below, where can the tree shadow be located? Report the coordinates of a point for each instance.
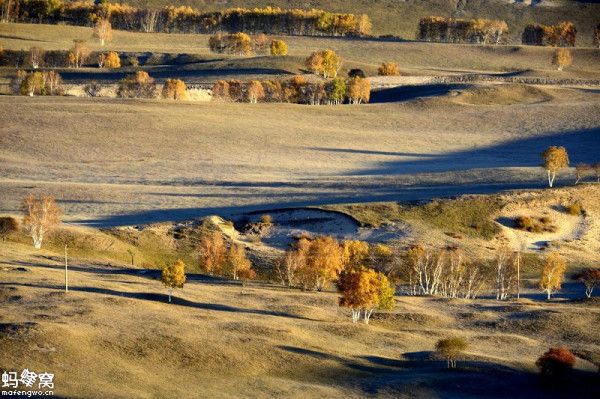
(410, 92)
(162, 298)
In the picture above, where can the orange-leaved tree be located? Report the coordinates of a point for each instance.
(173, 276)
(553, 273)
(236, 261)
(555, 159)
(363, 290)
(590, 278)
(211, 253)
(557, 362)
(103, 31)
(41, 215)
(174, 89)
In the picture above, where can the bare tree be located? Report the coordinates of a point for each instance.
(505, 273)
(40, 217)
(36, 57)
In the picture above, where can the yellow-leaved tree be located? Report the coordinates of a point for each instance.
(174, 89)
(363, 290)
(355, 253)
(236, 261)
(279, 47)
(555, 159)
(173, 276)
(324, 261)
(211, 253)
(553, 273)
(562, 58)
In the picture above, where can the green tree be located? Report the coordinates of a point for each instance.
(336, 91)
(452, 349)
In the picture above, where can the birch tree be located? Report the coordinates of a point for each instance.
(555, 159)
(173, 276)
(553, 273)
(41, 215)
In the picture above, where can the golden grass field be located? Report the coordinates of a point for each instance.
(130, 174)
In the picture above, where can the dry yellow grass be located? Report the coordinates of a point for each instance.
(114, 335)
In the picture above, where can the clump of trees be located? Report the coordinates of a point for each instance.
(216, 258)
(78, 54)
(278, 47)
(553, 273)
(452, 349)
(590, 278)
(563, 34)
(173, 276)
(40, 216)
(554, 160)
(364, 290)
(325, 63)
(137, 85)
(174, 89)
(296, 90)
(562, 58)
(8, 226)
(47, 83)
(482, 31)
(388, 69)
(109, 60)
(557, 362)
(184, 19)
(236, 43)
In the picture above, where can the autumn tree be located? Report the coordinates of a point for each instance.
(451, 349)
(40, 216)
(597, 36)
(235, 261)
(293, 262)
(246, 273)
(355, 254)
(174, 89)
(173, 276)
(363, 290)
(326, 63)
(220, 90)
(278, 47)
(33, 84)
(553, 273)
(103, 30)
(383, 259)
(261, 44)
(590, 278)
(324, 262)
(555, 159)
(212, 253)
(255, 92)
(109, 60)
(562, 58)
(8, 226)
(557, 362)
(78, 54)
(364, 26)
(388, 69)
(137, 85)
(53, 83)
(359, 90)
(35, 58)
(236, 43)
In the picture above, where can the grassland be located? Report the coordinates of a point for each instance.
(195, 61)
(401, 17)
(115, 335)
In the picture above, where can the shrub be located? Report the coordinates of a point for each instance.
(109, 60)
(133, 61)
(574, 209)
(8, 226)
(138, 85)
(389, 69)
(452, 349)
(556, 362)
(174, 89)
(279, 47)
(356, 73)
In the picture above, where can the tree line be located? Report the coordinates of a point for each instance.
(297, 90)
(563, 34)
(184, 19)
(481, 31)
